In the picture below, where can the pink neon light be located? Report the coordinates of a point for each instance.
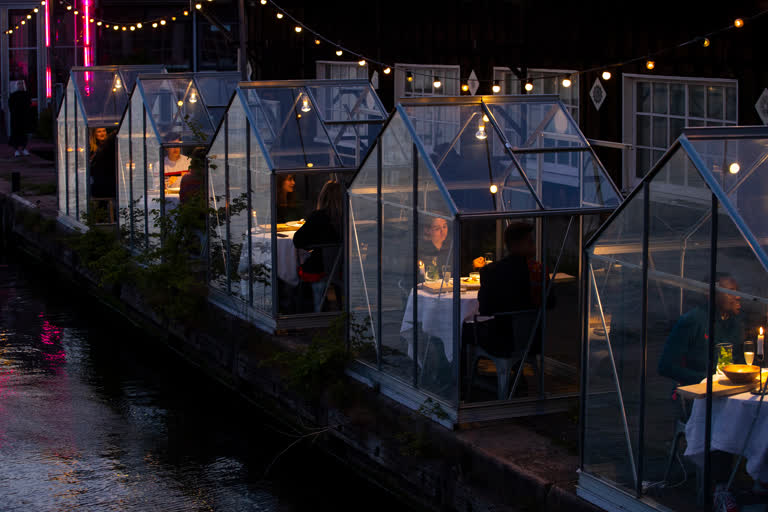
(48, 87)
(47, 27)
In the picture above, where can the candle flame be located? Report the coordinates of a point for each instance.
(761, 331)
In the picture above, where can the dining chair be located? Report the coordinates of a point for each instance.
(502, 339)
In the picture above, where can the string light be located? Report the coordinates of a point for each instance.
(36, 9)
(339, 53)
(464, 87)
(734, 168)
(173, 18)
(528, 86)
(69, 7)
(606, 75)
(650, 64)
(279, 15)
(494, 189)
(186, 13)
(566, 82)
(409, 76)
(263, 2)
(162, 22)
(317, 41)
(706, 42)
(496, 88)
(154, 25)
(139, 25)
(387, 70)
(361, 63)
(198, 6)
(738, 23)
(297, 29)
(133, 28)
(98, 23)
(436, 83)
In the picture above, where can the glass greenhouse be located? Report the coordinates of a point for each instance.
(677, 287)
(168, 117)
(284, 152)
(93, 104)
(447, 182)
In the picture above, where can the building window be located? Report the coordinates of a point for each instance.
(545, 81)
(658, 108)
(414, 80)
(341, 70)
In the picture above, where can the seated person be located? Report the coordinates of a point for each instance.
(323, 227)
(103, 174)
(684, 357)
(175, 165)
(435, 250)
(192, 183)
(287, 207)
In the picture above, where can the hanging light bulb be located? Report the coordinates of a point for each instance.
(650, 64)
(263, 2)
(92, 20)
(198, 6)
(494, 189)
(485, 118)
(738, 23)
(706, 42)
(528, 86)
(162, 22)
(179, 103)
(734, 168)
(317, 42)
(139, 25)
(339, 52)
(310, 164)
(69, 7)
(107, 25)
(193, 97)
(186, 13)
(387, 70)
(133, 28)
(29, 16)
(173, 18)
(606, 75)
(124, 28)
(436, 83)
(464, 87)
(279, 15)
(496, 88)
(115, 27)
(297, 29)
(154, 25)
(23, 22)
(361, 62)
(409, 76)
(118, 83)
(305, 104)
(566, 82)
(480, 133)
(98, 23)
(36, 9)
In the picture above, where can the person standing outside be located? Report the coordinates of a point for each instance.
(19, 105)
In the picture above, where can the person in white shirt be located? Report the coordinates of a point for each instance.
(175, 163)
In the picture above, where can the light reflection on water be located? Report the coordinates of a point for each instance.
(95, 416)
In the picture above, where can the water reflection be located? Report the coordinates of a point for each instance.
(94, 415)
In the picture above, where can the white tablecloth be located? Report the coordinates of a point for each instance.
(435, 313)
(288, 256)
(731, 419)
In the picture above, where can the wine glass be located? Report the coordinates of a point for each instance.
(749, 352)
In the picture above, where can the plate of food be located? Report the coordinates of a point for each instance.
(295, 223)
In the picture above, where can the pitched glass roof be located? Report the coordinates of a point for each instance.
(314, 123)
(507, 154)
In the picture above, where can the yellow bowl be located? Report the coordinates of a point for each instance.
(741, 373)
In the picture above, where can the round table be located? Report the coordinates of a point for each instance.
(731, 418)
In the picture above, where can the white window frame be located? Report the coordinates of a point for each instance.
(451, 84)
(323, 67)
(569, 96)
(630, 114)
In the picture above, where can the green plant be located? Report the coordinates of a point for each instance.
(432, 409)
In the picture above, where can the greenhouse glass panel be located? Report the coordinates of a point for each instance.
(216, 89)
(537, 125)
(261, 221)
(217, 202)
(176, 110)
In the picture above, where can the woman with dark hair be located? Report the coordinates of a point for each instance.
(287, 209)
(102, 169)
(321, 236)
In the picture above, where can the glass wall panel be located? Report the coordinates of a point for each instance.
(217, 223)
(555, 176)
(537, 125)
(61, 161)
(154, 183)
(140, 203)
(364, 263)
(81, 134)
(70, 160)
(103, 95)
(260, 275)
(597, 190)
(126, 167)
(238, 194)
(178, 113)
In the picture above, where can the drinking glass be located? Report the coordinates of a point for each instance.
(749, 351)
(724, 352)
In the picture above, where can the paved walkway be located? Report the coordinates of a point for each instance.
(539, 449)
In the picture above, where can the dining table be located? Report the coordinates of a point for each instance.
(288, 256)
(732, 417)
(435, 315)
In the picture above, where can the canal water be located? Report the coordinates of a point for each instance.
(95, 415)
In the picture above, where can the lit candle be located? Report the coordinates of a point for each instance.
(760, 339)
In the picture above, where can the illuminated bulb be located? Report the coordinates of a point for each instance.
(193, 98)
(115, 27)
(436, 83)
(186, 13)
(485, 118)
(738, 23)
(734, 168)
(528, 86)
(409, 76)
(36, 9)
(496, 87)
(339, 52)
(650, 64)
(480, 134)
(98, 23)
(606, 75)
(310, 164)
(297, 29)
(162, 22)
(173, 18)
(42, 3)
(494, 189)
(305, 105)
(361, 62)
(298, 116)
(198, 6)
(464, 87)
(139, 25)
(566, 82)
(317, 41)
(72, 13)
(118, 83)
(91, 20)
(154, 25)
(124, 28)
(133, 28)
(706, 42)
(179, 103)
(279, 15)
(263, 2)
(10, 31)
(107, 25)
(69, 7)
(23, 22)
